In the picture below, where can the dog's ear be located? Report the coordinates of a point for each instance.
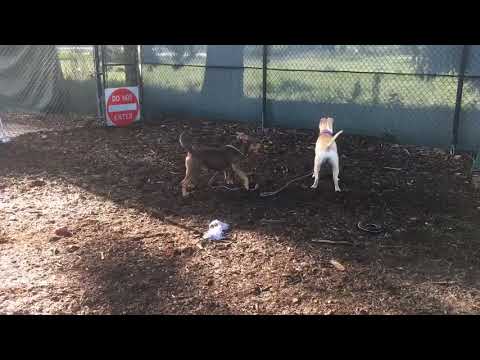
(322, 123)
(330, 122)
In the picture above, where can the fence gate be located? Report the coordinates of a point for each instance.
(119, 83)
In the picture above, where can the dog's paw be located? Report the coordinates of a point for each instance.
(314, 186)
(254, 188)
(186, 193)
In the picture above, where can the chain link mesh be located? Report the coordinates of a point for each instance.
(398, 59)
(364, 74)
(182, 68)
(473, 61)
(46, 87)
(370, 75)
(120, 65)
(368, 89)
(220, 81)
(54, 86)
(375, 89)
(394, 90)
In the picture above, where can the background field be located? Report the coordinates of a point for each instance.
(366, 88)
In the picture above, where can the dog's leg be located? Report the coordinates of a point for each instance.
(243, 177)
(335, 171)
(316, 170)
(228, 177)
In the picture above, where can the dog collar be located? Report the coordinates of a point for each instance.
(326, 132)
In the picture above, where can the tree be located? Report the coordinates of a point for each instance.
(130, 53)
(125, 55)
(182, 53)
(436, 59)
(222, 83)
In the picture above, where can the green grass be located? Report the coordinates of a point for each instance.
(338, 88)
(77, 69)
(377, 63)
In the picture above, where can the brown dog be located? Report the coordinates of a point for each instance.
(218, 159)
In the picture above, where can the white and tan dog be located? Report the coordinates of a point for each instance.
(326, 149)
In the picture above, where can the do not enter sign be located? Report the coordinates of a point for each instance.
(122, 106)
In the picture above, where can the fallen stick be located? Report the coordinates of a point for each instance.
(272, 221)
(441, 282)
(392, 168)
(331, 242)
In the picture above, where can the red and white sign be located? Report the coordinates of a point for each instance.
(122, 106)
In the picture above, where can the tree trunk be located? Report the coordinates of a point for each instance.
(131, 69)
(224, 84)
(438, 59)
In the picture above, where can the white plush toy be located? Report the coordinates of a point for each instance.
(216, 230)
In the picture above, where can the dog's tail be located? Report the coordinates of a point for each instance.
(185, 145)
(332, 140)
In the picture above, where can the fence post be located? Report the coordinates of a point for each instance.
(140, 79)
(264, 87)
(458, 101)
(96, 55)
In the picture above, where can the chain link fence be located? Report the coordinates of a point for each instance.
(218, 82)
(407, 93)
(46, 87)
(403, 93)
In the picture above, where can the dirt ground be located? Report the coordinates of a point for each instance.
(132, 245)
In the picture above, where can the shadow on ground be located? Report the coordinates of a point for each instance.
(425, 260)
